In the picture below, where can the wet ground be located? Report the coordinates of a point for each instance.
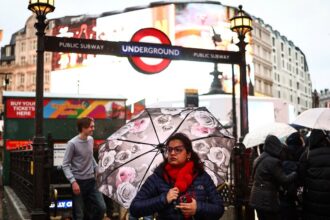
(3, 207)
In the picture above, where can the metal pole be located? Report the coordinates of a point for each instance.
(243, 88)
(234, 102)
(39, 140)
(248, 212)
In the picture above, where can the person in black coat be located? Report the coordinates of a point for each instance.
(268, 177)
(288, 194)
(314, 172)
(179, 188)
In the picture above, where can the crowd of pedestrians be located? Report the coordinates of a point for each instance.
(292, 180)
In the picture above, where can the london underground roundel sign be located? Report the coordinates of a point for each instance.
(141, 65)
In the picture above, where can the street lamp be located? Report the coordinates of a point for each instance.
(40, 8)
(242, 24)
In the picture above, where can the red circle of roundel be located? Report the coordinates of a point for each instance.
(138, 63)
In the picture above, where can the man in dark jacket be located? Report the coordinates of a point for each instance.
(268, 177)
(314, 172)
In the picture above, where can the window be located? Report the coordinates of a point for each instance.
(298, 85)
(34, 45)
(273, 41)
(23, 60)
(282, 47)
(278, 78)
(47, 77)
(298, 100)
(47, 58)
(8, 51)
(22, 78)
(296, 56)
(290, 82)
(23, 46)
(260, 34)
(279, 94)
(291, 98)
(33, 78)
(289, 51)
(282, 63)
(34, 59)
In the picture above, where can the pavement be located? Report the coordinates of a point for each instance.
(10, 205)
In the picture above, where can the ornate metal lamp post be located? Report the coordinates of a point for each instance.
(242, 24)
(40, 8)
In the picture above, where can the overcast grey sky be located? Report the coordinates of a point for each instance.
(305, 22)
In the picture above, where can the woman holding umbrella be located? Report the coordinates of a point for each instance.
(179, 188)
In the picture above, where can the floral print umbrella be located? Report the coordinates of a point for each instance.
(132, 153)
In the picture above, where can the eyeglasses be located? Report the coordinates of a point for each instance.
(176, 150)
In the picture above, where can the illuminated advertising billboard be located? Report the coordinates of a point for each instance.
(190, 25)
(196, 24)
(76, 27)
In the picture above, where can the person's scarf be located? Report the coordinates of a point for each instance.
(181, 176)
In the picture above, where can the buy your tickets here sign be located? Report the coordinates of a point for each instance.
(20, 108)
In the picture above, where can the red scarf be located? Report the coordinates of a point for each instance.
(182, 176)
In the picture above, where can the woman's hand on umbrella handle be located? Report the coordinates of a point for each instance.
(172, 195)
(188, 209)
(75, 188)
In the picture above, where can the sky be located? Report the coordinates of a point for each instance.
(304, 22)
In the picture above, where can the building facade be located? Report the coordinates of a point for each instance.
(291, 77)
(262, 50)
(324, 98)
(18, 61)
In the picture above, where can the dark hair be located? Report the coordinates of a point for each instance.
(84, 122)
(318, 138)
(198, 166)
(294, 139)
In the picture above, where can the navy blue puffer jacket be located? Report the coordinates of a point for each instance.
(152, 198)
